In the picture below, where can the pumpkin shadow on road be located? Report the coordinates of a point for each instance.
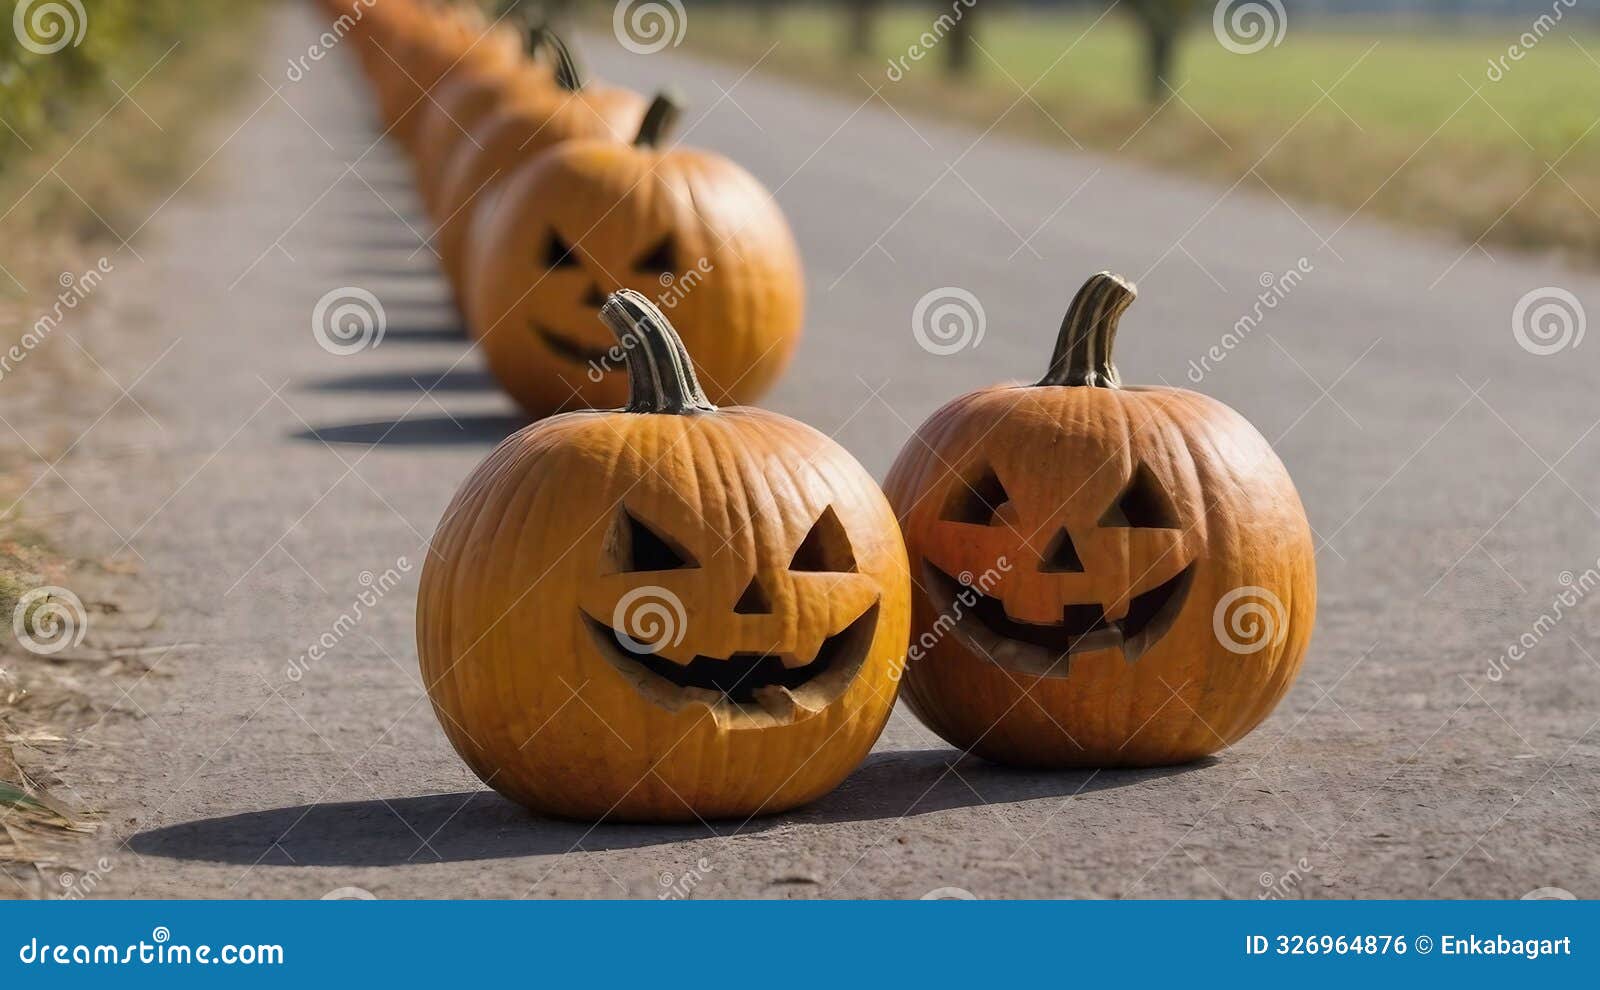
(419, 431)
(481, 825)
(448, 380)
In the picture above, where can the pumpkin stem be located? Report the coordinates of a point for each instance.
(569, 74)
(659, 120)
(1083, 348)
(536, 36)
(660, 374)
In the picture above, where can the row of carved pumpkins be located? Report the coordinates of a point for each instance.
(519, 156)
(671, 610)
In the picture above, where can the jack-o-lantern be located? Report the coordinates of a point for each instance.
(528, 122)
(666, 611)
(1107, 575)
(466, 99)
(440, 44)
(689, 227)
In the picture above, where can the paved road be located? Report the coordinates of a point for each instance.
(1451, 476)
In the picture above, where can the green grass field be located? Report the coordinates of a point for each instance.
(1400, 129)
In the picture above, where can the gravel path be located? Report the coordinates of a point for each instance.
(1451, 476)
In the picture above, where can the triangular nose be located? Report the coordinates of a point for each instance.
(754, 601)
(595, 297)
(1061, 557)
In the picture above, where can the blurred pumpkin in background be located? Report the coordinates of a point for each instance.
(525, 124)
(587, 218)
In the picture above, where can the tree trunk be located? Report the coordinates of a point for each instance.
(861, 33)
(960, 49)
(1160, 47)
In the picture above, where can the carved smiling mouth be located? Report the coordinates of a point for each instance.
(1043, 649)
(767, 686)
(576, 351)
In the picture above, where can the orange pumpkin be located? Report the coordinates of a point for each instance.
(461, 103)
(1108, 575)
(429, 48)
(589, 217)
(517, 132)
(664, 612)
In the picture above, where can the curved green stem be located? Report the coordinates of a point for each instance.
(661, 375)
(1083, 348)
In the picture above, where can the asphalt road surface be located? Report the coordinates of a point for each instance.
(1449, 471)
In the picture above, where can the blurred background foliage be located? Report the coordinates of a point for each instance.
(1475, 116)
(120, 40)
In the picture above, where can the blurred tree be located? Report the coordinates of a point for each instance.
(1162, 23)
(861, 26)
(960, 48)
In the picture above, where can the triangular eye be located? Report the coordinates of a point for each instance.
(661, 259)
(976, 501)
(557, 254)
(826, 547)
(1141, 505)
(635, 546)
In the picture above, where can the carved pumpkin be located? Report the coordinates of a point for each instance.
(525, 125)
(1108, 575)
(461, 103)
(664, 612)
(438, 44)
(587, 218)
